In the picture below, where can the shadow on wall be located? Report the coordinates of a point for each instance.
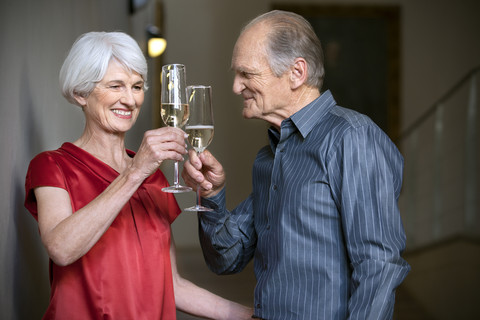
(30, 261)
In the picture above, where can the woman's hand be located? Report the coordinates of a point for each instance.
(68, 236)
(205, 170)
(194, 300)
(161, 144)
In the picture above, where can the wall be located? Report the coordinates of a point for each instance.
(439, 45)
(35, 37)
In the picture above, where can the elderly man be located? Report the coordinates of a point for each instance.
(322, 221)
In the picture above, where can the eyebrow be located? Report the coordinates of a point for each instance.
(141, 81)
(243, 70)
(239, 68)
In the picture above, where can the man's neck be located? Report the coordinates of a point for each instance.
(300, 98)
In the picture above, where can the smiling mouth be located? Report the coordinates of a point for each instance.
(247, 99)
(123, 113)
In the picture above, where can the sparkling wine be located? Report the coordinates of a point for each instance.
(199, 136)
(175, 115)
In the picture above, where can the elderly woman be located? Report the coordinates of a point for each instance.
(101, 213)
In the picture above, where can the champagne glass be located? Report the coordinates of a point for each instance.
(199, 126)
(174, 109)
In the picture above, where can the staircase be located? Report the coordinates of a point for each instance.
(440, 205)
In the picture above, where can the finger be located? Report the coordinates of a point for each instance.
(191, 173)
(156, 137)
(168, 130)
(189, 181)
(166, 139)
(174, 146)
(208, 160)
(157, 150)
(206, 185)
(194, 159)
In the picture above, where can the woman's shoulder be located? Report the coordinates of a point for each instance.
(43, 170)
(47, 157)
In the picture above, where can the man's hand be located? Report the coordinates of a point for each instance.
(204, 170)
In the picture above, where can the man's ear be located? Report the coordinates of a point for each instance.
(298, 74)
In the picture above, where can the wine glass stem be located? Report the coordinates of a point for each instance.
(175, 175)
(199, 198)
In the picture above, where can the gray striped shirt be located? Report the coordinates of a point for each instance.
(322, 221)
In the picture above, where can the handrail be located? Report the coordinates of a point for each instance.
(430, 111)
(441, 184)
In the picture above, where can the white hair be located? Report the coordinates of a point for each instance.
(291, 36)
(89, 57)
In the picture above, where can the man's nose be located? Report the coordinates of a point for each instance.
(238, 85)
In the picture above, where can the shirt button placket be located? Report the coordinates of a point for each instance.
(276, 162)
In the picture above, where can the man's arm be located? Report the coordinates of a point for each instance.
(228, 238)
(367, 189)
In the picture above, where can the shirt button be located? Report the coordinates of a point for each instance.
(268, 227)
(274, 187)
(265, 266)
(258, 306)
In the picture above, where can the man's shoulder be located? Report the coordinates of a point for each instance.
(351, 117)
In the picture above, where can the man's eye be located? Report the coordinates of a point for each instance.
(138, 88)
(247, 75)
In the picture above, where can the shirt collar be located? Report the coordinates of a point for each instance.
(306, 118)
(303, 120)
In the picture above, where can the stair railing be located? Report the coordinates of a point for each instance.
(441, 196)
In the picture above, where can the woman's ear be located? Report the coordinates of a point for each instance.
(81, 100)
(299, 73)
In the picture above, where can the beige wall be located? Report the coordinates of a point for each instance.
(439, 45)
(34, 39)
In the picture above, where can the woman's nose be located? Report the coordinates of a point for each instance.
(128, 97)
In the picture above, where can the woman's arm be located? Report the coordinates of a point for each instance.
(194, 300)
(68, 236)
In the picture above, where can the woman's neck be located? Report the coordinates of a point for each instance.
(107, 148)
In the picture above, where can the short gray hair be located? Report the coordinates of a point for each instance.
(88, 59)
(291, 36)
